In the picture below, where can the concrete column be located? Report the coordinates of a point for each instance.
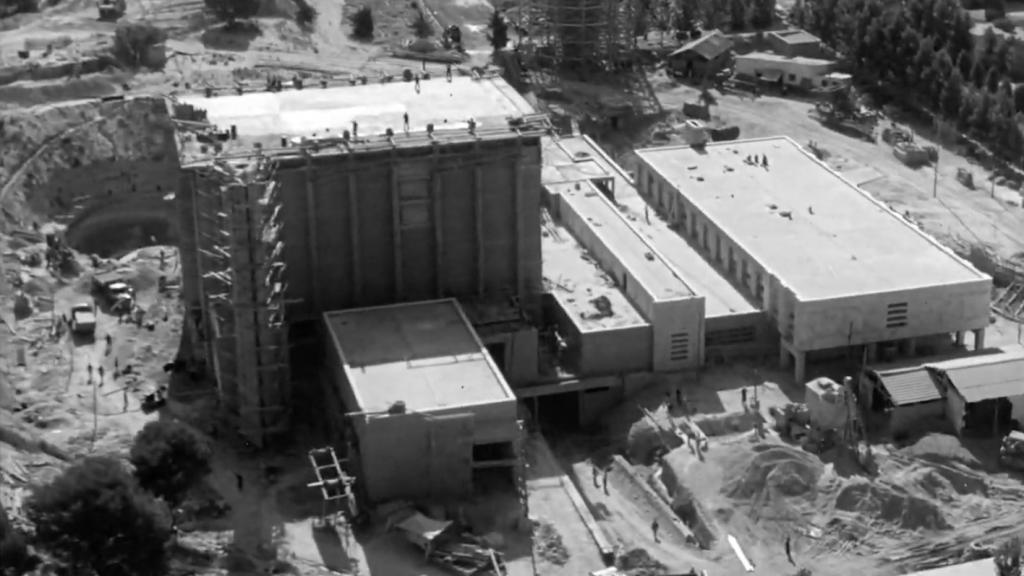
(911, 346)
(959, 341)
(784, 356)
(872, 351)
(800, 366)
(979, 339)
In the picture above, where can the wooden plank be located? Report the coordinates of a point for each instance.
(747, 566)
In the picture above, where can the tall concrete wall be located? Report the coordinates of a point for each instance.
(617, 350)
(725, 336)
(862, 319)
(374, 229)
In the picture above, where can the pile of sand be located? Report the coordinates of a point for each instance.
(892, 505)
(638, 562)
(775, 471)
(943, 448)
(945, 483)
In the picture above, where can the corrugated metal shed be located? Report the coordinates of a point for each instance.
(985, 378)
(710, 46)
(910, 385)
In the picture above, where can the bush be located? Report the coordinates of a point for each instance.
(169, 458)
(1004, 24)
(362, 23)
(421, 26)
(15, 558)
(96, 518)
(132, 39)
(231, 10)
(306, 14)
(498, 27)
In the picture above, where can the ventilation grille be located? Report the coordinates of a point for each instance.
(679, 347)
(730, 337)
(896, 315)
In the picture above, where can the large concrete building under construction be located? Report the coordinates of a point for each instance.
(833, 268)
(301, 202)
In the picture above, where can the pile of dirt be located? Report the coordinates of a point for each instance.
(638, 562)
(775, 470)
(547, 544)
(645, 439)
(941, 448)
(892, 505)
(946, 483)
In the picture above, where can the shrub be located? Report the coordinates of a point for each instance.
(306, 14)
(96, 518)
(231, 10)
(169, 458)
(421, 26)
(1004, 24)
(362, 23)
(498, 27)
(15, 558)
(132, 39)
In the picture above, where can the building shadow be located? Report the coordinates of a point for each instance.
(332, 548)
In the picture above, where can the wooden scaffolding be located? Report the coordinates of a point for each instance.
(244, 288)
(580, 35)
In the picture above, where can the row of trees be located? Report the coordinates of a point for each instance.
(921, 52)
(99, 517)
(685, 16)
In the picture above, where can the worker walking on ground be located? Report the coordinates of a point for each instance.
(789, 551)
(654, 530)
(604, 481)
(743, 396)
(101, 376)
(125, 391)
(405, 121)
(448, 72)
(679, 395)
(596, 474)
(239, 481)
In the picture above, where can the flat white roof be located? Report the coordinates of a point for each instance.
(425, 354)
(773, 57)
(821, 235)
(375, 106)
(585, 291)
(721, 298)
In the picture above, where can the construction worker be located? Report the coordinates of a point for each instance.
(239, 481)
(596, 473)
(679, 395)
(654, 530)
(101, 375)
(789, 551)
(604, 481)
(416, 83)
(125, 392)
(743, 397)
(448, 72)
(405, 122)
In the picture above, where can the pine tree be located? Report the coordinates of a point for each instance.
(964, 63)
(992, 80)
(978, 73)
(967, 108)
(980, 120)
(952, 95)
(1018, 98)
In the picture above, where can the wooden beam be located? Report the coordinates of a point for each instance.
(353, 228)
(438, 223)
(314, 260)
(478, 206)
(396, 227)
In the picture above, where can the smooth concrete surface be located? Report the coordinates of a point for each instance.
(821, 235)
(424, 354)
(374, 106)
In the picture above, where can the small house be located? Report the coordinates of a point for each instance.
(798, 71)
(791, 43)
(702, 57)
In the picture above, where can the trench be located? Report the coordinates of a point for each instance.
(113, 230)
(688, 508)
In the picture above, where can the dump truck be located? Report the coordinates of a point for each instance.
(111, 10)
(83, 319)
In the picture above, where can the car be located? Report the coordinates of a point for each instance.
(83, 319)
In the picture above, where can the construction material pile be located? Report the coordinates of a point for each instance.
(445, 545)
(780, 480)
(891, 504)
(1011, 451)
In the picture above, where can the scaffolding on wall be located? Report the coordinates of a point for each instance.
(580, 35)
(240, 259)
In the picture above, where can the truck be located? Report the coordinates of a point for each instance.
(83, 319)
(114, 288)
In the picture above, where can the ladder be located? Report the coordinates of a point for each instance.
(334, 484)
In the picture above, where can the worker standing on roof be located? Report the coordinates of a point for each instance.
(654, 530)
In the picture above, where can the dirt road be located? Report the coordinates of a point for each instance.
(955, 215)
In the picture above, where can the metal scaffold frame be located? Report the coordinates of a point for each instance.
(580, 35)
(238, 222)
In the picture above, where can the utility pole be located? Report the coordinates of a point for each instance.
(938, 150)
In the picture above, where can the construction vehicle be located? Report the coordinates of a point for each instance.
(1011, 451)
(111, 10)
(965, 177)
(839, 110)
(83, 319)
(894, 135)
(910, 154)
(115, 289)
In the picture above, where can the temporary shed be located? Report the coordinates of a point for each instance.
(907, 394)
(701, 57)
(985, 392)
(797, 71)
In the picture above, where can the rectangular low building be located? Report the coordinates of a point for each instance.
(425, 405)
(795, 42)
(984, 393)
(603, 332)
(817, 253)
(651, 283)
(797, 71)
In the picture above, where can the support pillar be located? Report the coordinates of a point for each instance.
(959, 341)
(784, 357)
(799, 366)
(979, 339)
(911, 346)
(872, 354)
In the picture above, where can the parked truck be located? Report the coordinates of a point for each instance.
(83, 319)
